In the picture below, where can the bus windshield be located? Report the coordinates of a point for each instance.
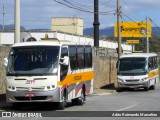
(34, 60)
(132, 66)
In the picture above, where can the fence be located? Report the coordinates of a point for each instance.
(100, 51)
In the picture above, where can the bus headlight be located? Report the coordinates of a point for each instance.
(120, 80)
(50, 87)
(144, 79)
(11, 88)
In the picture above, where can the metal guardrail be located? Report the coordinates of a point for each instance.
(99, 51)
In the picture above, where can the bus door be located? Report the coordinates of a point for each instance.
(64, 62)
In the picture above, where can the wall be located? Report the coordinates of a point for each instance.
(3, 53)
(7, 38)
(105, 71)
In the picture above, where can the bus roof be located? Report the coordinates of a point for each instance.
(46, 43)
(138, 55)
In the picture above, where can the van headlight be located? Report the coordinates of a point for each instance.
(120, 80)
(50, 87)
(144, 79)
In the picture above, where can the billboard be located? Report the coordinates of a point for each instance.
(133, 29)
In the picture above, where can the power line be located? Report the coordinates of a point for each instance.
(91, 6)
(126, 9)
(84, 10)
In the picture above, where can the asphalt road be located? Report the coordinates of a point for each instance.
(137, 100)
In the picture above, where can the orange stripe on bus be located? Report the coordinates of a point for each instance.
(78, 77)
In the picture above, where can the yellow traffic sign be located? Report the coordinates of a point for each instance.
(133, 29)
(133, 41)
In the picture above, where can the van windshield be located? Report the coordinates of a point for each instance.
(33, 60)
(132, 66)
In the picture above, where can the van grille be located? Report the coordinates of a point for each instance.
(135, 80)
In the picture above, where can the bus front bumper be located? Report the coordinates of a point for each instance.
(33, 96)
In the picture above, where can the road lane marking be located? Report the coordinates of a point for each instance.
(127, 107)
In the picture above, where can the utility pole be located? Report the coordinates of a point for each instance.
(147, 39)
(96, 23)
(119, 28)
(3, 17)
(17, 22)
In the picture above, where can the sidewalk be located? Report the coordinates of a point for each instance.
(104, 91)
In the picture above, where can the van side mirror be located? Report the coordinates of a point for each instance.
(117, 64)
(6, 61)
(65, 60)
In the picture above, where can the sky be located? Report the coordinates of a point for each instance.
(37, 14)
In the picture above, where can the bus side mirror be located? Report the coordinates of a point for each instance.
(65, 60)
(6, 61)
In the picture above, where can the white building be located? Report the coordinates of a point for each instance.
(70, 25)
(7, 38)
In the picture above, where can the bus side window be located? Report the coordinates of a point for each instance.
(149, 64)
(80, 57)
(72, 57)
(88, 57)
(64, 68)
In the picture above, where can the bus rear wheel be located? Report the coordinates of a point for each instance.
(80, 100)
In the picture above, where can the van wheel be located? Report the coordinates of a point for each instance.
(152, 87)
(63, 104)
(118, 89)
(146, 88)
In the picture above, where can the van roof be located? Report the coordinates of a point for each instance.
(139, 55)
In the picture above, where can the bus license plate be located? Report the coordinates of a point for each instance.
(29, 94)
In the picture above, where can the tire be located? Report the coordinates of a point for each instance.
(152, 87)
(118, 89)
(17, 106)
(82, 98)
(146, 89)
(62, 105)
(74, 101)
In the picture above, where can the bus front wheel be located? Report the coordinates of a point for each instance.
(63, 104)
